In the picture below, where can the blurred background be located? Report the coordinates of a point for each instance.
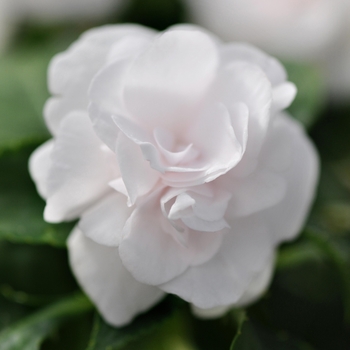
(308, 304)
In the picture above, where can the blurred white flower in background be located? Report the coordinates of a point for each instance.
(299, 30)
(185, 173)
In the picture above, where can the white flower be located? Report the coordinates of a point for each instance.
(292, 29)
(184, 171)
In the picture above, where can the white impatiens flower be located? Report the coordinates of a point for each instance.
(173, 151)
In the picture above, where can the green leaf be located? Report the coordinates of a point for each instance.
(21, 208)
(251, 336)
(311, 97)
(30, 332)
(22, 96)
(105, 337)
(337, 249)
(245, 338)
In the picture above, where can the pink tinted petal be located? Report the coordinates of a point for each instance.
(39, 166)
(104, 221)
(139, 178)
(167, 81)
(256, 288)
(287, 218)
(261, 190)
(143, 139)
(242, 82)
(101, 274)
(130, 46)
(103, 125)
(224, 279)
(216, 140)
(259, 284)
(152, 254)
(71, 72)
(248, 53)
(80, 171)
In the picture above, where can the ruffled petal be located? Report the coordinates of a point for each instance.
(39, 167)
(246, 83)
(224, 279)
(81, 169)
(101, 274)
(166, 82)
(248, 53)
(139, 178)
(71, 72)
(106, 89)
(104, 222)
(150, 252)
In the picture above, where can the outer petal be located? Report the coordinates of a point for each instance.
(257, 287)
(248, 53)
(117, 295)
(106, 89)
(149, 251)
(167, 81)
(225, 278)
(71, 72)
(39, 166)
(81, 169)
(259, 284)
(287, 218)
(104, 222)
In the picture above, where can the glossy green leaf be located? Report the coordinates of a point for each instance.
(337, 249)
(21, 208)
(311, 98)
(105, 337)
(251, 336)
(30, 332)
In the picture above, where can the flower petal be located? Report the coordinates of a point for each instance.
(287, 218)
(259, 284)
(149, 251)
(248, 53)
(81, 169)
(261, 190)
(71, 72)
(104, 222)
(139, 178)
(283, 96)
(246, 83)
(224, 279)
(257, 287)
(39, 166)
(166, 82)
(117, 295)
